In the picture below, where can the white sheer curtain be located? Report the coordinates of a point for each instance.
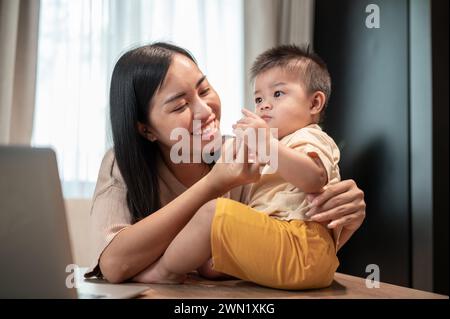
(79, 42)
(19, 21)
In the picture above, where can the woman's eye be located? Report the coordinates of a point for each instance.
(180, 108)
(204, 92)
(258, 100)
(278, 93)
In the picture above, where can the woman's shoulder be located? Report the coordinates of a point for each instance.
(109, 174)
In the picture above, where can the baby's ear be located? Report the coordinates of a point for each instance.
(317, 102)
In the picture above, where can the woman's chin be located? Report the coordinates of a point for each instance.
(206, 147)
(211, 143)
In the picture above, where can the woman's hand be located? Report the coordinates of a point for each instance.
(252, 121)
(233, 168)
(340, 205)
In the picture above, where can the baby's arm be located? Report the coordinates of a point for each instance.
(305, 171)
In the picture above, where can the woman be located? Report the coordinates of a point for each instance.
(142, 198)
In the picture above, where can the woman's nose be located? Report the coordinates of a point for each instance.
(201, 110)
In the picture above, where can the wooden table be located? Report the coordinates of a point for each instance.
(343, 287)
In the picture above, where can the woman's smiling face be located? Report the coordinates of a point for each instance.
(184, 96)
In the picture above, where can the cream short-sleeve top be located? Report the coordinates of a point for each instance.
(280, 199)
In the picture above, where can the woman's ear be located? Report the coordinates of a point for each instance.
(145, 131)
(317, 102)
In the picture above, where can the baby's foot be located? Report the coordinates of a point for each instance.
(155, 274)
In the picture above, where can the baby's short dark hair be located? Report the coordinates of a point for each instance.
(312, 69)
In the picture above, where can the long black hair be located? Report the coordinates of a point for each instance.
(135, 79)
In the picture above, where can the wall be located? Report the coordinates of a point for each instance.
(368, 117)
(389, 115)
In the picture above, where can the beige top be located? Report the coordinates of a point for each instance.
(278, 198)
(109, 211)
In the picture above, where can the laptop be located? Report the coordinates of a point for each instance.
(35, 251)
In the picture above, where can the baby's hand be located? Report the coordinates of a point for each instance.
(261, 132)
(250, 120)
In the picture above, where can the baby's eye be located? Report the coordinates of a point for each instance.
(258, 100)
(278, 93)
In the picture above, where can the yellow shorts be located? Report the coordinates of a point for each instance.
(253, 246)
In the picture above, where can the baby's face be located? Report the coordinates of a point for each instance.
(282, 101)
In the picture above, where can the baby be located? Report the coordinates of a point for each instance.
(292, 89)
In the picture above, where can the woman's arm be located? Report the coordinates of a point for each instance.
(141, 244)
(341, 204)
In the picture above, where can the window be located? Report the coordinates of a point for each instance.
(79, 43)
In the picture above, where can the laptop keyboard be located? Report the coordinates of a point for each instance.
(84, 295)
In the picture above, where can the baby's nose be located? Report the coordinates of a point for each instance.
(265, 106)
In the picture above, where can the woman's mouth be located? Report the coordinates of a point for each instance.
(207, 131)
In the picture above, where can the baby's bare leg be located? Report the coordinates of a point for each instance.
(190, 249)
(157, 273)
(206, 270)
